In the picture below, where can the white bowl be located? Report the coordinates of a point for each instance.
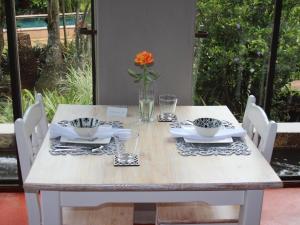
(207, 127)
(85, 127)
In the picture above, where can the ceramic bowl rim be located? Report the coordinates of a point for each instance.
(97, 123)
(202, 118)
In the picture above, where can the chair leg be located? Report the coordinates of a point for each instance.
(33, 208)
(156, 216)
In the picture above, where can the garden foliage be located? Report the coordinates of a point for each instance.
(75, 87)
(232, 62)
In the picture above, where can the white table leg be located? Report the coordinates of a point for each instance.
(51, 210)
(33, 208)
(250, 212)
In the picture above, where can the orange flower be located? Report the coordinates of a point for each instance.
(144, 58)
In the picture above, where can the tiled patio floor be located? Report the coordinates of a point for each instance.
(280, 207)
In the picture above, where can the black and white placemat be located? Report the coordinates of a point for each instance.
(237, 147)
(58, 148)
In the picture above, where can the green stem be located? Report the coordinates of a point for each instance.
(145, 81)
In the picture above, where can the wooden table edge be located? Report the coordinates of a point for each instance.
(152, 187)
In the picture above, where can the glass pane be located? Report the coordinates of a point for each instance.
(286, 101)
(55, 58)
(8, 161)
(231, 55)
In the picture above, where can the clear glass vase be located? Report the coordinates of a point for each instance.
(146, 102)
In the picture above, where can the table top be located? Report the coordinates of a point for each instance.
(161, 167)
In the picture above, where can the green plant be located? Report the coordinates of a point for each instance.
(78, 84)
(232, 61)
(31, 7)
(39, 4)
(52, 99)
(6, 115)
(75, 88)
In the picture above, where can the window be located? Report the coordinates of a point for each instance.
(55, 56)
(8, 159)
(231, 62)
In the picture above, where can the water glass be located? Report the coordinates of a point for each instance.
(127, 147)
(167, 104)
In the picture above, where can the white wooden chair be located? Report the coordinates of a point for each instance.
(30, 133)
(259, 128)
(263, 133)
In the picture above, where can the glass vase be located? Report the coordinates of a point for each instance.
(146, 102)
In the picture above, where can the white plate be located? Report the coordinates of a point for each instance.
(82, 141)
(221, 141)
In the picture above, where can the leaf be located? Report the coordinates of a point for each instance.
(132, 73)
(153, 74)
(149, 78)
(138, 78)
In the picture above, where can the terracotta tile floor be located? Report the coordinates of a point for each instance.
(280, 207)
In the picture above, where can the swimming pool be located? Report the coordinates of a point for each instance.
(35, 22)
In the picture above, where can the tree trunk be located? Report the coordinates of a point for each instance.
(86, 11)
(54, 49)
(1, 31)
(84, 39)
(53, 68)
(64, 22)
(262, 84)
(77, 27)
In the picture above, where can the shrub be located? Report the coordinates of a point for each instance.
(76, 88)
(78, 83)
(232, 62)
(6, 109)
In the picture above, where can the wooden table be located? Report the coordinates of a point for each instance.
(163, 176)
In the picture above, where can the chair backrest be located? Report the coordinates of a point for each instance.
(259, 128)
(251, 99)
(30, 132)
(44, 121)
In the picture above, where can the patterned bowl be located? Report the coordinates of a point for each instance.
(85, 127)
(207, 127)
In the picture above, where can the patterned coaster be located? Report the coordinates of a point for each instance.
(166, 117)
(133, 162)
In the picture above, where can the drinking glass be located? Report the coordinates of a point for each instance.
(127, 147)
(167, 104)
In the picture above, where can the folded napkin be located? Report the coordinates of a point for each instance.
(105, 131)
(191, 133)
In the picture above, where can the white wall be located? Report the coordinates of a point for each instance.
(125, 27)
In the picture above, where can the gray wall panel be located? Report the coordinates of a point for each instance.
(164, 27)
